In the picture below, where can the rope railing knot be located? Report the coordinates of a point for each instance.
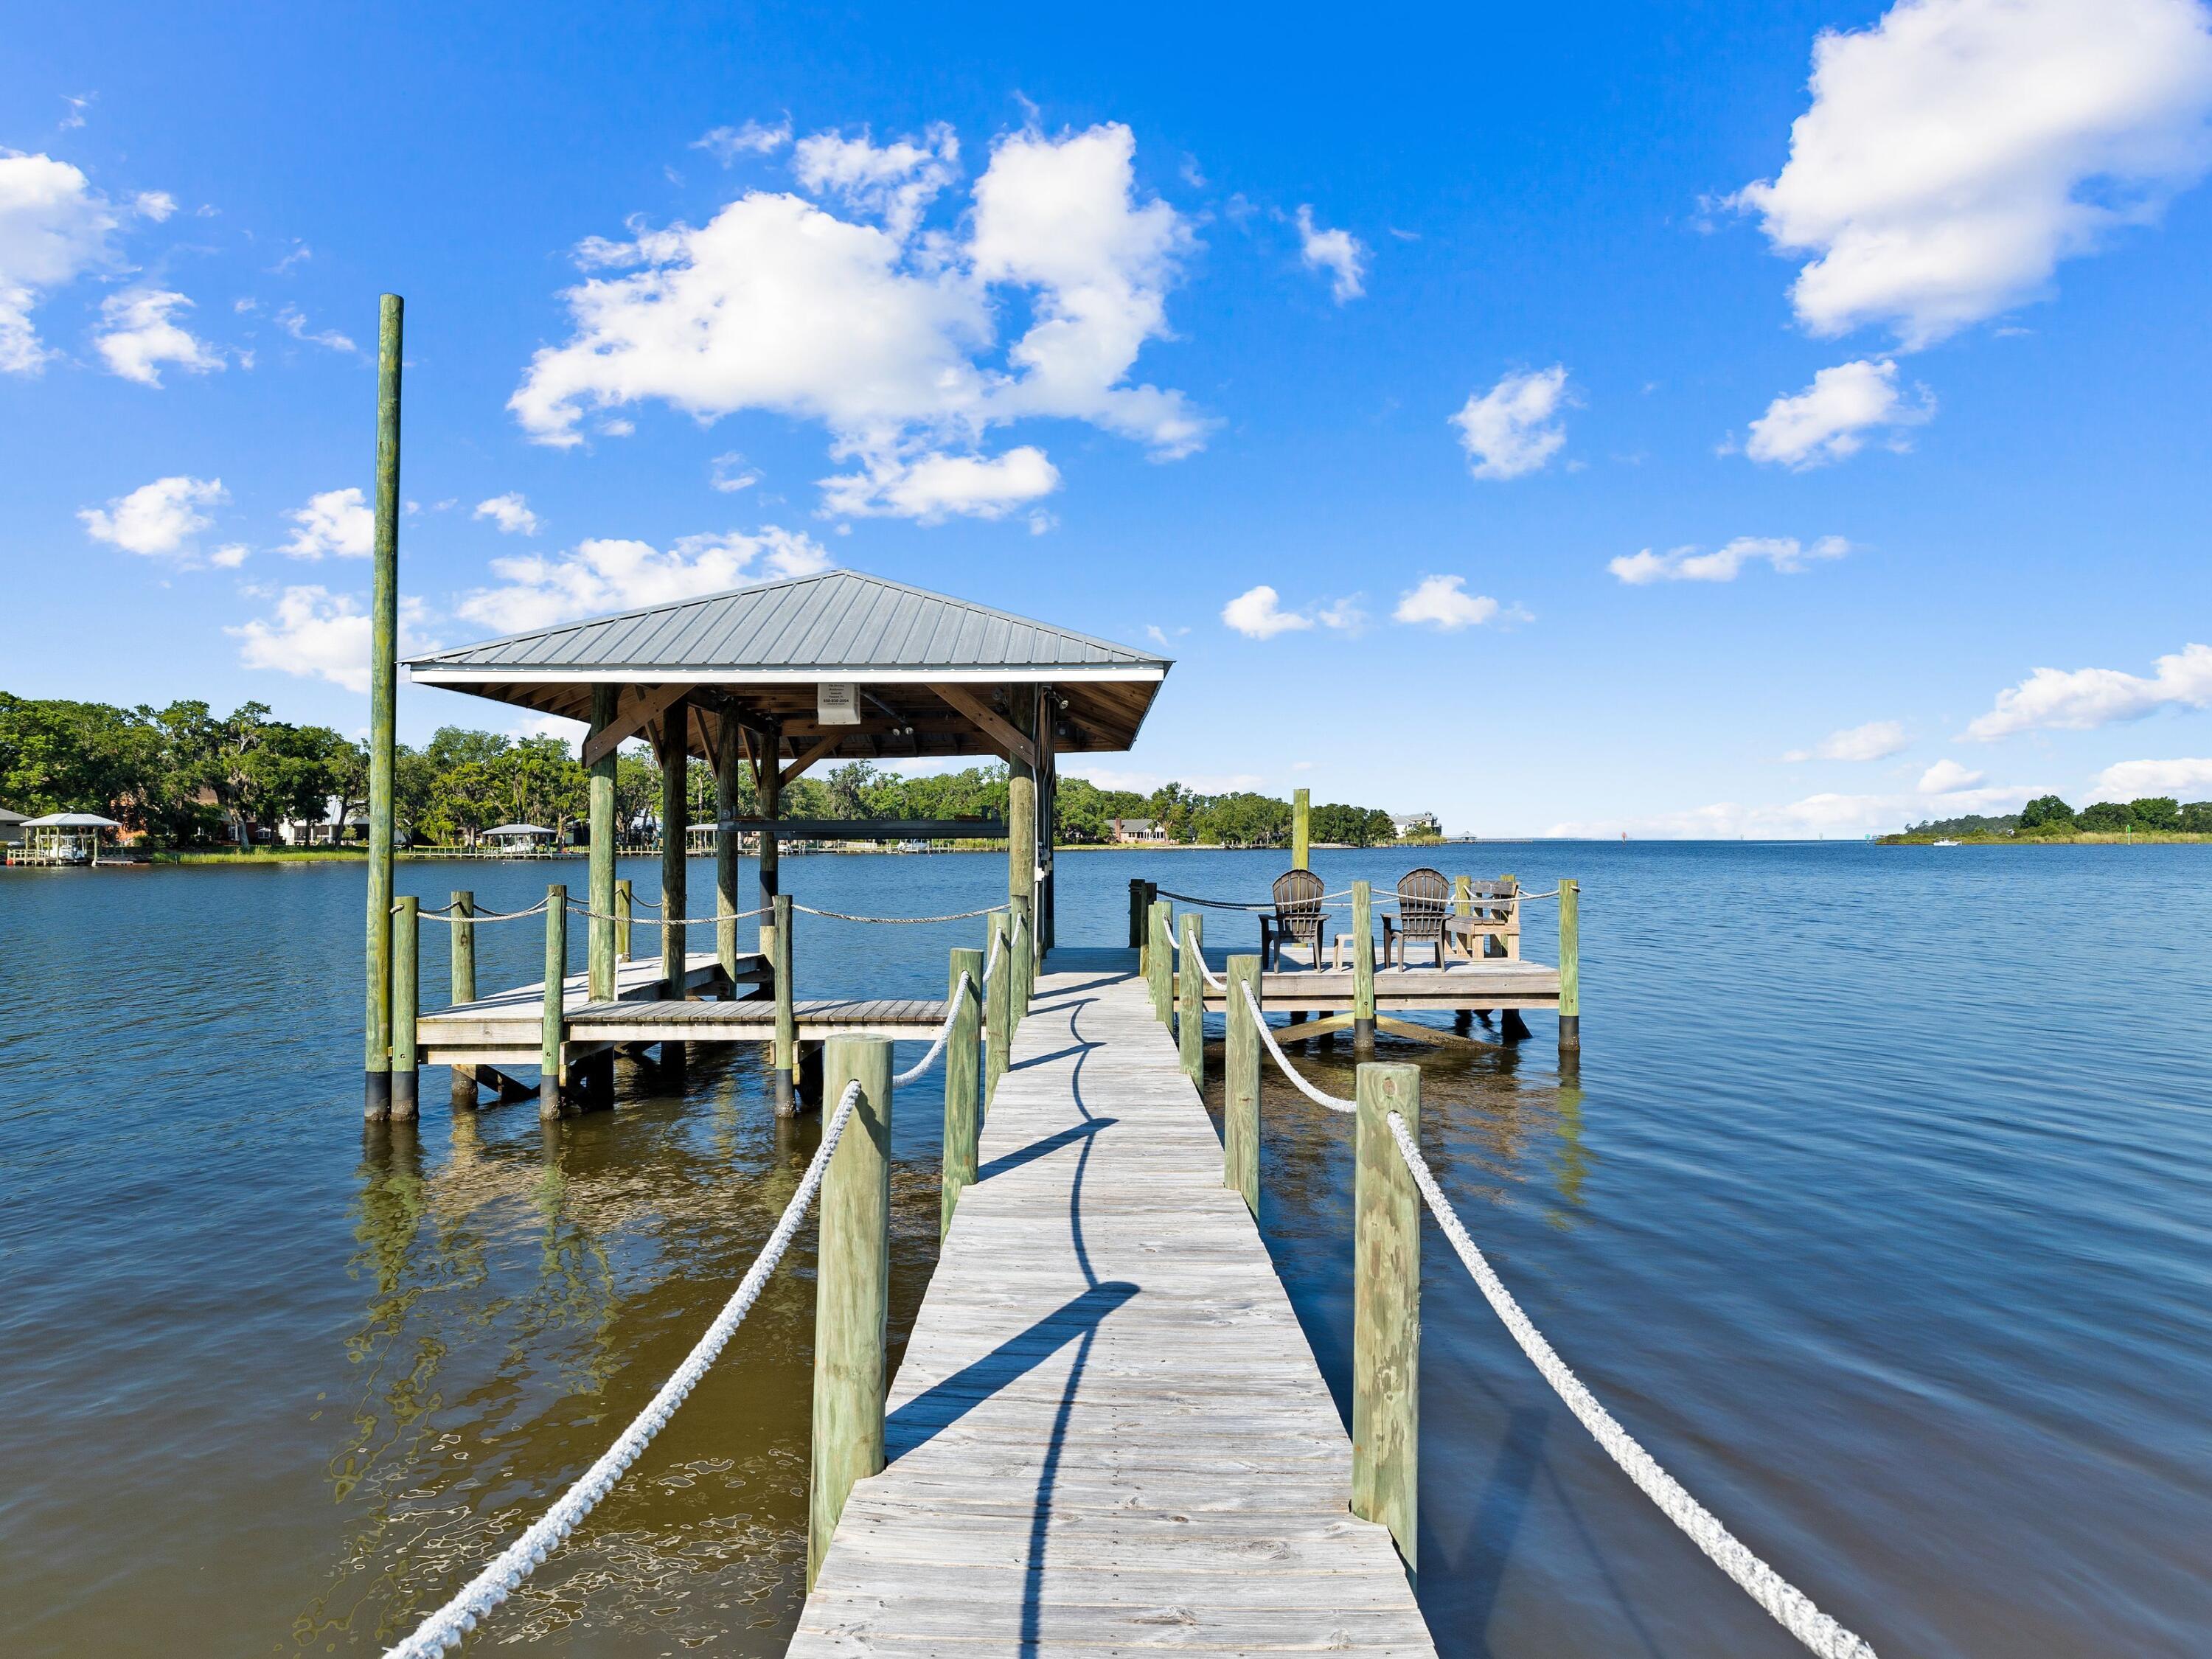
(1789, 1606)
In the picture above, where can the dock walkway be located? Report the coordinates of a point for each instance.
(1108, 1432)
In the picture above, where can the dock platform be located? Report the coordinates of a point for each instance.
(1108, 1432)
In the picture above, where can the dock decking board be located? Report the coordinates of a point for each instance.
(1106, 1433)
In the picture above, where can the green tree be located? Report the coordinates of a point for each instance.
(2197, 818)
(2048, 814)
(2154, 812)
(2104, 818)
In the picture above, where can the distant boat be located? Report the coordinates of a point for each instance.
(1946, 841)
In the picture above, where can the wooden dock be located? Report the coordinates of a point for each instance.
(506, 1030)
(1108, 1432)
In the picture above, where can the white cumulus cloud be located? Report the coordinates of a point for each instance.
(335, 522)
(886, 333)
(538, 590)
(1831, 418)
(934, 487)
(154, 204)
(1955, 151)
(1514, 429)
(1875, 740)
(139, 332)
(1442, 602)
(1339, 253)
(1258, 613)
(2082, 699)
(2130, 780)
(157, 518)
(314, 633)
(511, 512)
(1785, 554)
(53, 226)
(1947, 777)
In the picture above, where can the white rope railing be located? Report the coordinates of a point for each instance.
(913, 1074)
(446, 913)
(839, 915)
(1267, 1037)
(445, 1628)
(1790, 1606)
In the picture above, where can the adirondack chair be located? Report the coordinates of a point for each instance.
(1299, 918)
(1423, 898)
(1497, 907)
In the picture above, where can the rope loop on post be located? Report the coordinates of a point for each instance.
(839, 915)
(445, 1628)
(1789, 1606)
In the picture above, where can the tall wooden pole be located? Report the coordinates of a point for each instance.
(600, 958)
(767, 791)
(1570, 966)
(1363, 968)
(406, 993)
(1302, 831)
(1022, 822)
(998, 1001)
(383, 688)
(554, 1010)
(463, 966)
(1386, 1307)
(852, 1290)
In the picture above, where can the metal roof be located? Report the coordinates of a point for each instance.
(838, 623)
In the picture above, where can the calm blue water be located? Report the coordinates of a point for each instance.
(1879, 1209)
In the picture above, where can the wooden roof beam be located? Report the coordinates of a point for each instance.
(991, 723)
(631, 721)
(819, 752)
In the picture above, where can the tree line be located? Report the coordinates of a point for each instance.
(185, 775)
(2049, 815)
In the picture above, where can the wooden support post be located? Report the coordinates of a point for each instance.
(963, 1104)
(1190, 1003)
(625, 903)
(1137, 902)
(549, 1029)
(852, 1290)
(383, 688)
(726, 762)
(1385, 1308)
(1157, 968)
(406, 992)
(784, 1056)
(1302, 831)
(1570, 966)
(1022, 804)
(767, 797)
(1240, 1087)
(1362, 968)
(599, 954)
(675, 834)
(1023, 942)
(462, 958)
(998, 1002)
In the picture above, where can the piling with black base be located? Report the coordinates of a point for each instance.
(463, 931)
(553, 1009)
(1363, 968)
(406, 990)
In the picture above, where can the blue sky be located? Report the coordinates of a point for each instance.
(1632, 428)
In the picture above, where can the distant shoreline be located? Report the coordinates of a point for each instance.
(2080, 838)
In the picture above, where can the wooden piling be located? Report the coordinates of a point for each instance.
(727, 759)
(852, 1300)
(1137, 902)
(463, 959)
(785, 1056)
(675, 833)
(1570, 966)
(406, 993)
(999, 1003)
(383, 687)
(1190, 1002)
(1385, 1308)
(1025, 955)
(1302, 831)
(557, 974)
(962, 1104)
(1240, 1087)
(1363, 968)
(1162, 958)
(625, 902)
(599, 956)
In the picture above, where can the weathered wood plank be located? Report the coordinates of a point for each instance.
(1107, 1431)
